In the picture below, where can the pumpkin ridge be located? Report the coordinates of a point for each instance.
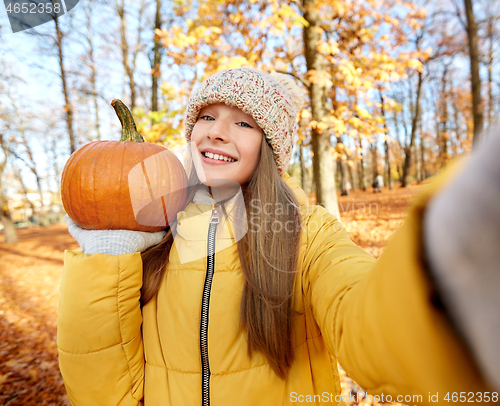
(121, 190)
(92, 172)
(89, 219)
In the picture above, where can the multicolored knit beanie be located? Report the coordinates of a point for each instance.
(272, 99)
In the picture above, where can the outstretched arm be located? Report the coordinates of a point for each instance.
(383, 319)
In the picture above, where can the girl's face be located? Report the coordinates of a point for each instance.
(228, 142)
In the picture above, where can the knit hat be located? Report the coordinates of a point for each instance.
(273, 100)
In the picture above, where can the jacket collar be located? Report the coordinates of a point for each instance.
(193, 221)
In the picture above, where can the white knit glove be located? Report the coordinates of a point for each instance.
(462, 244)
(112, 242)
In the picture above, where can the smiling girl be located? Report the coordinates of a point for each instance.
(263, 316)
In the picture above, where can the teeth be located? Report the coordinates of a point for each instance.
(218, 157)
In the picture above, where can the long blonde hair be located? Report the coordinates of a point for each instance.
(268, 257)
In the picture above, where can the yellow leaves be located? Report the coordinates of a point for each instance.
(416, 64)
(338, 125)
(390, 20)
(305, 114)
(331, 48)
(168, 90)
(355, 122)
(232, 63)
(323, 79)
(285, 12)
(367, 84)
(349, 73)
(362, 113)
(311, 76)
(318, 126)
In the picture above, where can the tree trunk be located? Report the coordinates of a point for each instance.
(129, 72)
(477, 108)
(490, 70)
(388, 176)
(155, 69)
(414, 123)
(342, 173)
(361, 167)
(422, 161)
(443, 148)
(68, 107)
(93, 81)
(24, 190)
(323, 169)
(9, 232)
(303, 174)
(374, 160)
(351, 176)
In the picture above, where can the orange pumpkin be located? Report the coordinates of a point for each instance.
(123, 185)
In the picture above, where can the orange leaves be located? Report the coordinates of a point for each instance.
(30, 273)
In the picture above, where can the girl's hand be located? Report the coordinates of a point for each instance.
(112, 242)
(462, 244)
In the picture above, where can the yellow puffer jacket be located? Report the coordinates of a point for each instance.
(377, 318)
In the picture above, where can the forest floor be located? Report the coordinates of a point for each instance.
(30, 272)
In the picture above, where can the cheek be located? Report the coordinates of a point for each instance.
(195, 133)
(256, 146)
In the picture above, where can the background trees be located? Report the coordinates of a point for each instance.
(397, 88)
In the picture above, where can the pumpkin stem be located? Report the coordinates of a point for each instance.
(129, 130)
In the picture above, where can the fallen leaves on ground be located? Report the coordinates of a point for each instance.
(30, 273)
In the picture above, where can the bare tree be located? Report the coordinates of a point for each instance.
(26, 156)
(323, 169)
(156, 63)
(477, 107)
(129, 66)
(68, 107)
(9, 231)
(88, 8)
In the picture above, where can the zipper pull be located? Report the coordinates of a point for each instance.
(215, 216)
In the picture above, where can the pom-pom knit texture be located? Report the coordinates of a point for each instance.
(273, 101)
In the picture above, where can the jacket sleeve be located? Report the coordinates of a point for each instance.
(99, 329)
(380, 318)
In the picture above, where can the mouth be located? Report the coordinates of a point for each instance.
(217, 157)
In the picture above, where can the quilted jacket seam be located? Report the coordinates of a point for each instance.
(88, 352)
(122, 344)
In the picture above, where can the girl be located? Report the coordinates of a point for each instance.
(279, 294)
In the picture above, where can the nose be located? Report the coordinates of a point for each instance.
(219, 130)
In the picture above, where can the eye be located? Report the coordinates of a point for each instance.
(245, 125)
(206, 118)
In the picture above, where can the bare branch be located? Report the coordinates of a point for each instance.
(305, 82)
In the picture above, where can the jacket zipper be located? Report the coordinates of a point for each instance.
(205, 367)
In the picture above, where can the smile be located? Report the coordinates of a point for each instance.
(217, 157)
